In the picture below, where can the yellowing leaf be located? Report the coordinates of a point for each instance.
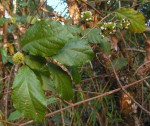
(136, 19)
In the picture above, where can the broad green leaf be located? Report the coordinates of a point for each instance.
(27, 94)
(45, 38)
(15, 116)
(62, 81)
(92, 36)
(106, 46)
(136, 19)
(74, 53)
(119, 63)
(35, 62)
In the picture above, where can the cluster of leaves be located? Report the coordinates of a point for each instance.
(50, 54)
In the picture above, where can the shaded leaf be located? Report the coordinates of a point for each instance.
(74, 53)
(62, 81)
(136, 19)
(45, 38)
(35, 62)
(27, 94)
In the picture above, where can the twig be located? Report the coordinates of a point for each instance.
(141, 67)
(62, 114)
(90, 99)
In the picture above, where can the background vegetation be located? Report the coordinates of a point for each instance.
(91, 68)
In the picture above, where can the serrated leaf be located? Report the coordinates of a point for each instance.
(136, 19)
(119, 63)
(15, 116)
(27, 94)
(35, 62)
(75, 53)
(45, 38)
(62, 81)
(92, 36)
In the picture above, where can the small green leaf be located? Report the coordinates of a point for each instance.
(35, 62)
(136, 19)
(119, 63)
(75, 53)
(62, 81)
(27, 94)
(45, 38)
(105, 45)
(31, 19)
(15, 116)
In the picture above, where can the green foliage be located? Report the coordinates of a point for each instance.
(62, 81)
(136, 19)
(93, 36)
(27, 94)
(74, 53)
(45, 38)
(35, 62)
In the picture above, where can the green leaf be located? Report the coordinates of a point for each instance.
(75, 74)
(119, 63)
(27, 94)
(3, 20)
(35, 62)
(31, 19)
(74, 53)
(106, 46)
(15, 116)
(45, 38)
(62, 81)
(75, 30)
(92, 36)
(136, 19)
